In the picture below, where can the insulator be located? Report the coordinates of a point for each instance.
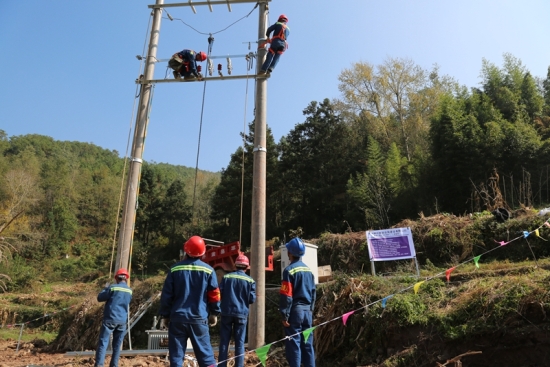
(210, 67)
(219, 67)
(229, 66)
(199, 68)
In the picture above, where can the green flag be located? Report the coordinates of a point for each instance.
(261, 352)
(307, 332)
(476, 259)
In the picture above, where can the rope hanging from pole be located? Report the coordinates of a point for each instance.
(250, 64)
(210, 43)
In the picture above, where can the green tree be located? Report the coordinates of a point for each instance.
(371, 191)
(313, 170)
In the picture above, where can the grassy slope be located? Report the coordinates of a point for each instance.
(499, 309)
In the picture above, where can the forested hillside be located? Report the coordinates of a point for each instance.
(400, 142)
(59, 202)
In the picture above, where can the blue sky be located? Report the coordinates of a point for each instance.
(69, 66)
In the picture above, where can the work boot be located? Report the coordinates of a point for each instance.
(269, 71)
(176, 75)
(189, 77)
(262, 72)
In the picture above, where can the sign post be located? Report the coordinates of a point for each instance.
(391, 244)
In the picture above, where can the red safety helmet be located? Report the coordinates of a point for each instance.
(201, 56)
(195, 246)
(242, 261)
(282, 18)
(122, 272)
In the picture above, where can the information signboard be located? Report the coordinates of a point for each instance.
(391, 244)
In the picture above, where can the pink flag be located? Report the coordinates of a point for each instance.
(547, 224)
(345, 317)
(448, 272)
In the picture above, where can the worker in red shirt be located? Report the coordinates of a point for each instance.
(278, 43)
(189, 303)
(185, 63)
(238, 292)
(296, 302)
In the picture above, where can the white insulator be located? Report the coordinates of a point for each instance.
(210, 67)
(229, 66)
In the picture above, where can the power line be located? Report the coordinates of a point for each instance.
(211, 33)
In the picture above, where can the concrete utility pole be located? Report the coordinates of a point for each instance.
(256, 324)
(126, 233)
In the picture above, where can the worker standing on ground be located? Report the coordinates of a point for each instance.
(117, 299)
(189, 303)
(278, 43)
(297, 299)
(238, 291)
(185, 63)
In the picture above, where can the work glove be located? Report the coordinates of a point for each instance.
(212, 320)
(164, 323)
(107, 285)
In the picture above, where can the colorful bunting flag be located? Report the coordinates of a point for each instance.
(547, 224)
(307, 333)
(537, 233)
(385, 299)
(502, 243)
(417, 285)
(525, 234)
(448, 273)
(476, 259)
(261, 352)
(345, 317)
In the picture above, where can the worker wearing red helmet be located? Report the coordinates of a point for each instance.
(296, 302)
(184, 63)
(238, 292)
(277, 42)
(190, 302)
(117, 299)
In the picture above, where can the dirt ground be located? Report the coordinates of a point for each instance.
(32, 355)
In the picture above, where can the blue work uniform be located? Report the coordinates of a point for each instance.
(297, 299)
(115, 317)
(189, 294)
(278, 45)
(238, 291)
(189, 65)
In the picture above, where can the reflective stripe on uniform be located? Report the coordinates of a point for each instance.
(191, 268)
(298, 269)
(236, 276)
(121, 289)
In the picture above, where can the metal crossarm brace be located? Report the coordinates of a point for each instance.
(210, 78)
(210, 3)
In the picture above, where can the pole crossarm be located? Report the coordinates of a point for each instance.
(213, 57)
(210, 78)
(210, 3)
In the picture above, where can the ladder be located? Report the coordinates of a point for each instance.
(142, 309)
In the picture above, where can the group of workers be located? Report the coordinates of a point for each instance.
(184, 63)
(191, 302)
